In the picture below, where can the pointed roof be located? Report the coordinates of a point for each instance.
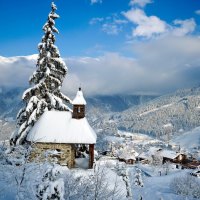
(79, 99)
(60, 127)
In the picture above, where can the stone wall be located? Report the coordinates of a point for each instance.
(64, 154)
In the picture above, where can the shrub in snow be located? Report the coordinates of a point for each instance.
(138, 178)
(52, 186)
(186, 186)
(47, 80)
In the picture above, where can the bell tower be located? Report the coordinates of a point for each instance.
(79, 105)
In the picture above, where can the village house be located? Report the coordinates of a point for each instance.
(164, 155)
(172, 156)
(127, 155)
(128, 159)
(191, 164)
(143, 158)
(64, 134)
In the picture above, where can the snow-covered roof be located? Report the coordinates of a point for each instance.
(79, 99)
(162, 152)
(168, 154)
(168, 125)
(127, 154)
(144, 155)
(60, 127)
(154, 150)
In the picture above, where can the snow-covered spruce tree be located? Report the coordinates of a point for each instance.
(46, 80)
(52, 186)
(138, 178)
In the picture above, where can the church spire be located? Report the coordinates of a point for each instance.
(79, 103)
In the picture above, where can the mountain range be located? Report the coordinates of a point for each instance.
(161, 116)
(97, 106)
(166, 115)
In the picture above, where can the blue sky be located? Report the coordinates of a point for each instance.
(21, 23)
(110, 46)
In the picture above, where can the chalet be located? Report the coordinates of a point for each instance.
(143, 158)
(127, 156)
(191, 164)
(128, 159)
(62, 132)
(180, 158)
(164, 155)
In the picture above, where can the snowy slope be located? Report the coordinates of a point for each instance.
(156, 187)
(189, 140)
(180, 109)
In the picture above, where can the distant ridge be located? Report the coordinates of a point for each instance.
(181, 109)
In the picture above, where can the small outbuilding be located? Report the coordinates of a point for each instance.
(62, 132)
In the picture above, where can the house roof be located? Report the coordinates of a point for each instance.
(127, 154)
(169, 154)
(144, 155)
(163, 152)
(79, 99)
(60, 127)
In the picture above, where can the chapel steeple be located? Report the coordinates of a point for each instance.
(79, 105)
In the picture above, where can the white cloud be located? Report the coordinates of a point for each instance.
(160, 66)
(96, 20)
(145, 26)
(197, 12)
(150, 26)
(95, 1)
(111, 25)
(15, 71)
(111, 28)
(141, 3)
(170, 62)
(185, 27)
(120, 21)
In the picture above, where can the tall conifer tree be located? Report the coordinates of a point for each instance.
(46, 80)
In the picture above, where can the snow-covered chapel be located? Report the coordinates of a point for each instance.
(46, 122)
(63, 132)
